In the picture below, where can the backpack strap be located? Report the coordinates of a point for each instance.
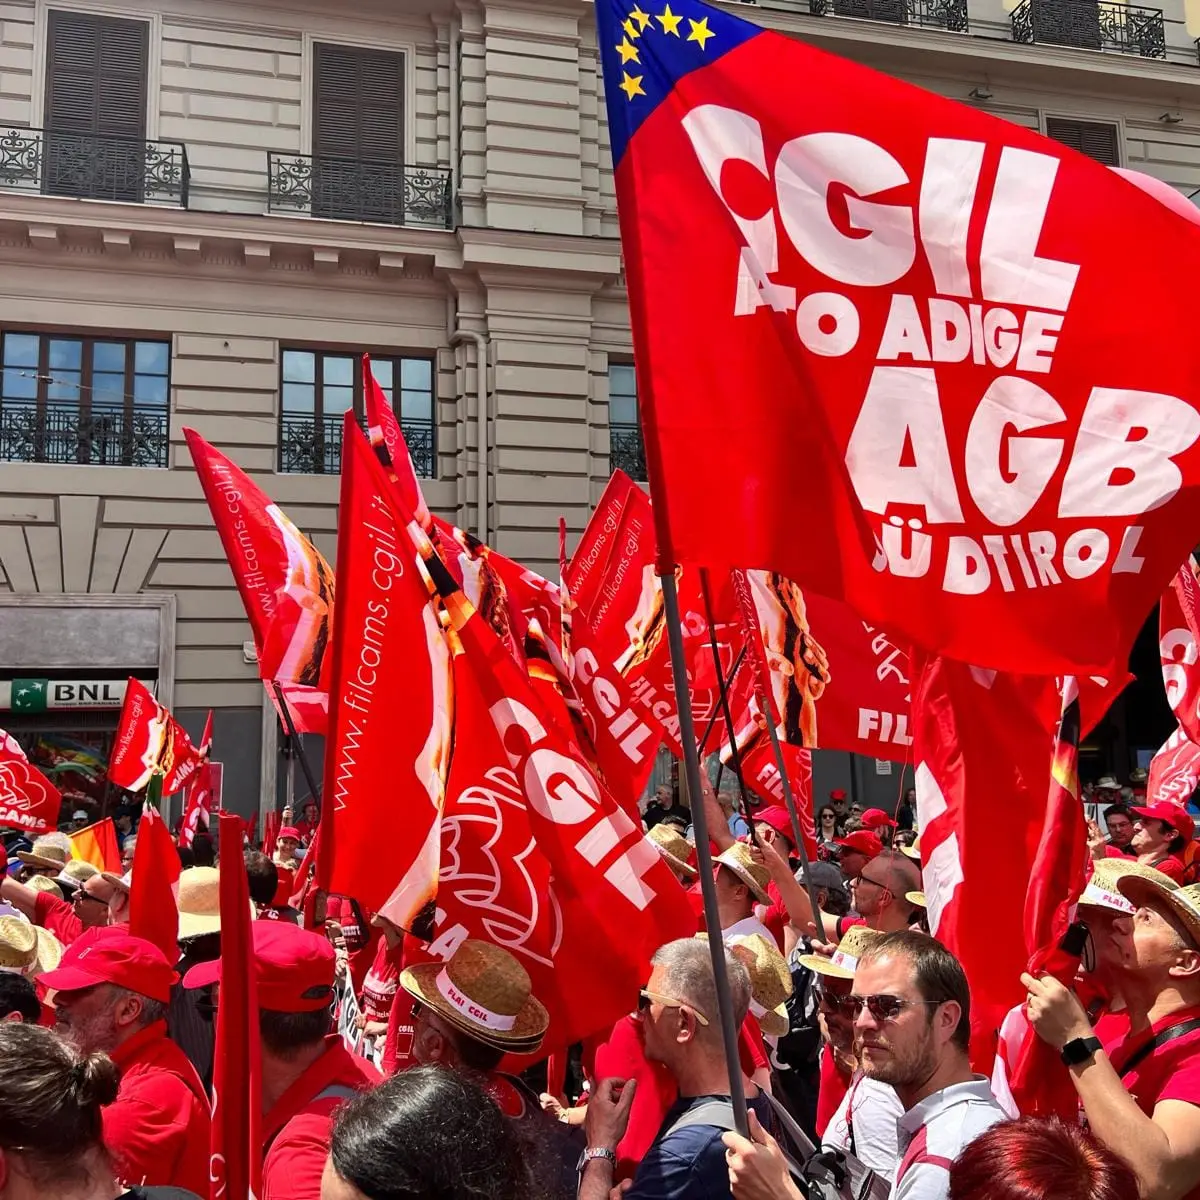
(1160, 1039)
(711, 1112)
(335, 1091)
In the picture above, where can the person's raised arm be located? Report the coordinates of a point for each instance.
(22, 898)
(718, 826)
(795, 899)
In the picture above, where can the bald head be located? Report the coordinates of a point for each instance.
(879, 891)
(899, 872)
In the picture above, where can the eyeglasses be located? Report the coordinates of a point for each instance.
(882, 1008)
(81, 895)
(646, 998)
(863, 877)
(842, 1006)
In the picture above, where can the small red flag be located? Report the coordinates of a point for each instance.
(236, 1139)
(150, 741)
(387, 440)
(28, 800)
(271, 828)
(153, 910)
(197, 808)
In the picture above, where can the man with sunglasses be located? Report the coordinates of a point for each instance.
(677, 1014)
(912, 1024)
(95, 903)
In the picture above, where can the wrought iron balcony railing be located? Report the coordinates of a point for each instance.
(313, 446)
(1092, 25)
(93, 166)
(627, 450)
(63, 433)
(939, 14)
(345, 190)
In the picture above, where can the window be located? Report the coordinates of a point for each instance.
(95, 137)
(96, 400)
(319, 386)
(626, 451)
(1096, 139)
(358, 134)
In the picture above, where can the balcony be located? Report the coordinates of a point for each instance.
(626, 450)
(94, 167)
(64, 433)
(1091, 25)
(938, 14)
(313, 446)
(342, 189)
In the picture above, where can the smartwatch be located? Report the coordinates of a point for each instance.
(1080, 1050)
(596, 1152)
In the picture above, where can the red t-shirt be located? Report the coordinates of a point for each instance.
(775, 915)
(623, 1056)
(157, 1128)
(833, 1088)
(296, 1130)
(752, 1051)
(57, 916)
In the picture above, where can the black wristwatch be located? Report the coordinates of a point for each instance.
(1080, 1050)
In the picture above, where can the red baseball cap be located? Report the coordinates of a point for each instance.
(288, 831)
(863, 841)
(837, 794)
(876, 818)
(295, 968)
(110, 954)
(779, 820)
(1173, 814)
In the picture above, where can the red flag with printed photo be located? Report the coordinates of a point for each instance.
(28, 800)
(150, 741)
(236, 1138)
(761, 773)
(944, 413)
(285, 584)
(1179, 648)
(153, 906)
(392, 708)
(1174, 770)
(388, 442)
(197, 808)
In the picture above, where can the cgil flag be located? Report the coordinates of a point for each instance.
(28, 800)
(149, 741)
(947, 413)
(197, 807)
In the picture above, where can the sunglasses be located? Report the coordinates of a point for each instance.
(645, 999)
(882, 1008)
(841, 1005)
(863, 877)
(81, 895)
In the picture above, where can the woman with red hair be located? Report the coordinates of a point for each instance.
(1034, 1159)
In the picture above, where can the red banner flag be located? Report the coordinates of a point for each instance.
(150, 741)
(236, 1139)
(97, 844)
(153, 909)
(197, 808)
(1179, 648)
(28, 800)
(944, 413)
(387, 440)
(392, 701)
(1174, 770)
(285, 584)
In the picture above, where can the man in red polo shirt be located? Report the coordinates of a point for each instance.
(306, 1070)
(111, 995)
(97, 902)
(1140, 1091)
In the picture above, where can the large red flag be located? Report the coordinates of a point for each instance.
(197, 808)
(28, 800)
(1179, 648)
(392, 701)
(945, 412)
(387, 440)
(285, 584)
(150, 741)
(153, 909)
(235, 1166)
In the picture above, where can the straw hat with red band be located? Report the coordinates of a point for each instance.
(876, 818)
(673, 846)
(1174, 815)
(778, 818)
(288, 831)
(1183, 903)
(484, 991)
(294, 968)
(862, 841)
(739, 859)
(851, 948)
(1102, 889)
(111, 955)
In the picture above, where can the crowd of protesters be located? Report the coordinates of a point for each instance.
(382, 1077)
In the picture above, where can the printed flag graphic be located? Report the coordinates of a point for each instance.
(197, 808)
(28, 800)
(149, 740)
(946, 413)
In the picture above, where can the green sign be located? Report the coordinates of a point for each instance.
(35, 695)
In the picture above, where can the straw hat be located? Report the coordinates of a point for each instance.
(48, 852)
(739, 859)
(483, 991)
(916, 898)
(49, 952)
(770, 981)
(913, 851)
(124, 882)
(78, 871)
(1139, 775)
(844, 963)
(18, 945)
(1102, 890)
(1183, 902)
(673, 846)
(39, 883)
(199, 901)
(1107, 784)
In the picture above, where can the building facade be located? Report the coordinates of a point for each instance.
(208, 209)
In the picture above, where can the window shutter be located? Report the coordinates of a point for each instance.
(96, 77)
(358, 104)
(1096, 139)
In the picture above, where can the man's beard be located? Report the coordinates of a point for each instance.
(904, 1067)
(91, 1035)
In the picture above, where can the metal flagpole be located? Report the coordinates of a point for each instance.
(297, 745)
(712, 919)
(737, 662)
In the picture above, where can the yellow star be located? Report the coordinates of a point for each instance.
(631, 85)
(631, 29)
(643, 19)
(627, 52)
(700, 32)
(669, 21)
